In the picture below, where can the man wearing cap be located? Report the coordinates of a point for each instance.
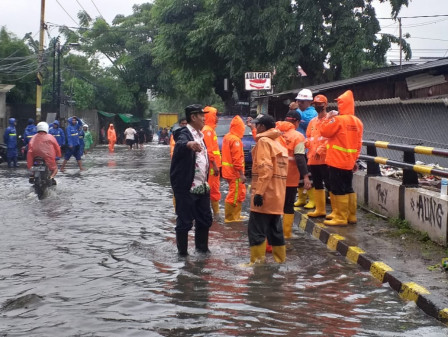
(233, 169)
(294, 142)
(211, 141)
(344, 133)
(188, 176)
(269, 171)
(317, 148)
(303, 105)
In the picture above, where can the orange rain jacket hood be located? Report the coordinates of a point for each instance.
(237, 127)
(344, 133)
(111, 135)
(210, 116)
(269, 171)
(210, 138)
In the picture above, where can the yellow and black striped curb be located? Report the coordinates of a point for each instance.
(431, 304)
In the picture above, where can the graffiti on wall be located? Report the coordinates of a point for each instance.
(382, 196)
(428, 210)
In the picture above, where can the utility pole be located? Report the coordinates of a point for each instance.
(39, 78)
(401, 39)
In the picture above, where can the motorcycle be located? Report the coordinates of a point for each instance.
(42, 178)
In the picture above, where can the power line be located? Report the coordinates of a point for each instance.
(414, 17)
(101, 15)
(66, 12)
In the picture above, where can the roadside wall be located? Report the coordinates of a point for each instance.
(425, 210)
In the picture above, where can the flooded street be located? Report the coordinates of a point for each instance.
(97, 257)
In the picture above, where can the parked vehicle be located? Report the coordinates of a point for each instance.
(222, 129)
(166, 120)
(42, 178)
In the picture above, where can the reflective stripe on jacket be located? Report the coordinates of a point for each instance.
(269, 172)
(232, 150)
(344, 133)
(211, 141)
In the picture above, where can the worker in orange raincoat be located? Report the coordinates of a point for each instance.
(294, 142)
(111, 137)
(317, 149)
(269, 172)
(344, 132)
(211, 141)
(233, 169)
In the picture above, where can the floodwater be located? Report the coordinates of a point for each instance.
(97, 257)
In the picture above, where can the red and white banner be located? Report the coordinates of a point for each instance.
(257, 81)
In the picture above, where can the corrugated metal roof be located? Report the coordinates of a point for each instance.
(393, 71)
(6, 87)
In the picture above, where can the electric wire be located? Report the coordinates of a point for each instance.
(101, 15)
(66, 12)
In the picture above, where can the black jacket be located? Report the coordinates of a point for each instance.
(183, 161)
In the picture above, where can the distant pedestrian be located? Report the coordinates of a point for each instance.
(88, 140)
(269, 173)
(58, 133)
(73, 145)
(10, 139)
(111, 137)
(141, 137)
(344, 132)
(130, 133)
(188, 175)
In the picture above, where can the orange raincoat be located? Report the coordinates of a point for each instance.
(111, 137)
(269, 172)
(344, 133)
(233, 160)
(294, 142)
(172, 144)
(214, 155)
(315, 143)
(45, 146)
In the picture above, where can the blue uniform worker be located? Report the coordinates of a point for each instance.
(10, 139)
(74, 148)
(57, 133)
(30, 131)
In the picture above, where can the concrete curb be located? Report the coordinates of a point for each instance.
(431, 304)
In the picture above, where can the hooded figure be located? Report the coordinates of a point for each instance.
(214, 155)
(57, 133)
(74, 148)
(233, 169)
(111, 137)
(344, 133)
(30, 131)
(88, 140)
(10, 139)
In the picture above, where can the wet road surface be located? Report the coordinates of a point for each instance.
(97, 257)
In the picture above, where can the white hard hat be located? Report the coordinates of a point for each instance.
(305, 95)
(42, 126)
(85, 126)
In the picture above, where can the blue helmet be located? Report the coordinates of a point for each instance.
(12, 121)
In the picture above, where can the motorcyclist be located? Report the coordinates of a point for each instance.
(10, 139)
(45, 146)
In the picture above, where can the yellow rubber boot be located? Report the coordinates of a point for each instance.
(331, 215)
(288, 220)
(237, 215)
(229, 212)
(340, 212)
(311, 203)
(301, 197)
(215, 207)
(319, 197)
(258, 253)
(352, 205)
(279, 253)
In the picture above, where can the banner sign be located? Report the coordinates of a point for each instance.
(257, 81)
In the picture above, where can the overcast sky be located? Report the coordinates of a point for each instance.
(428, 35)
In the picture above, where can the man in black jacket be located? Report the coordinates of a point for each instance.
(188, 175)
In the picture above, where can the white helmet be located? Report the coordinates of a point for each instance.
(305, 95)
(85, 126)
(42, 126)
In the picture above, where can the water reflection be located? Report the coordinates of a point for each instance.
(98, 258)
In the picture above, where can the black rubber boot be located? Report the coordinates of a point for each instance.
(201, 240)
(182, 243)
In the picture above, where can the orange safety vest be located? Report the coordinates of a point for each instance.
(210, 138)
(344, 133)
(269, 172)
(315, 142)
(290, 139)
(172, 144)
(232, 150)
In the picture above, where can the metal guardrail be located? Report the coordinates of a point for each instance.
(410, 169)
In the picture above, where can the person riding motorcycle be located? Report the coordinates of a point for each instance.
(45, 146)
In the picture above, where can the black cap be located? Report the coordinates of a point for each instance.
(194, 109)
(293, 116)
(266, 120)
